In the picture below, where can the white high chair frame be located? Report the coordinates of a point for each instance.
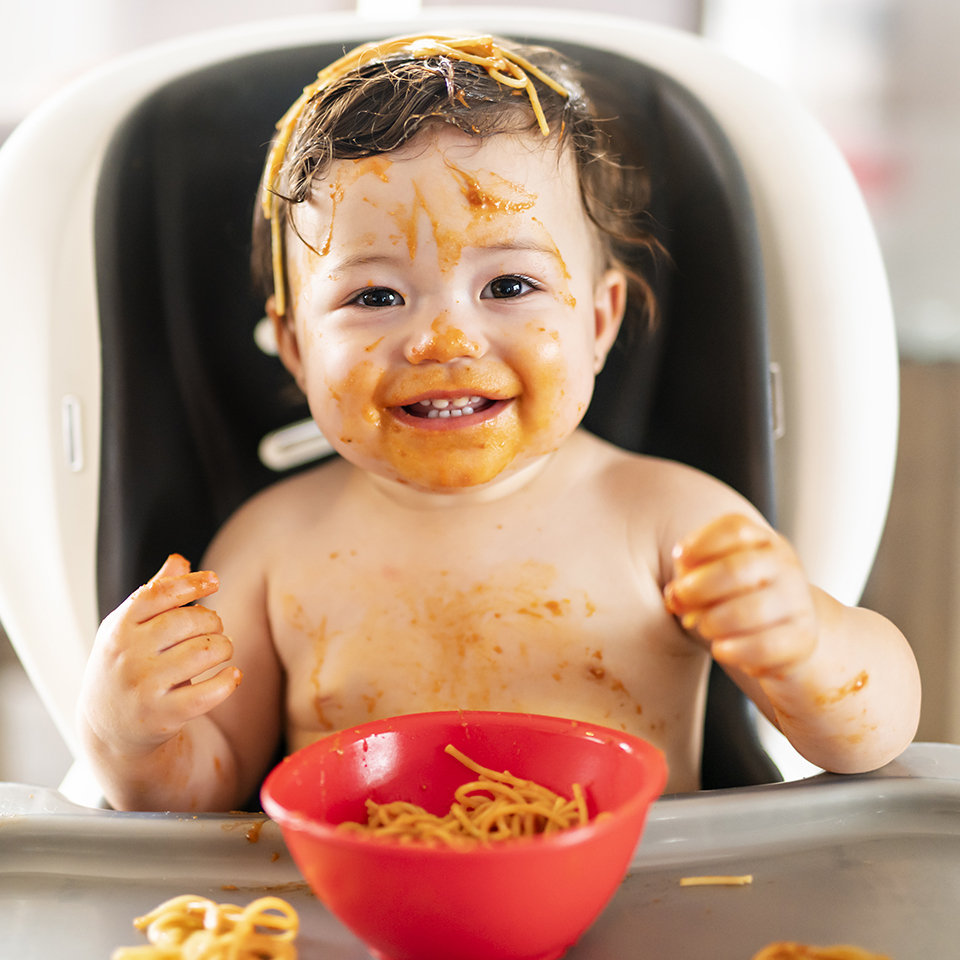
(831, 325)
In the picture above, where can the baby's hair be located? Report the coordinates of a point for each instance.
(372, 104)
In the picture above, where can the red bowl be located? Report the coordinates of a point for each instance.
(518, 900)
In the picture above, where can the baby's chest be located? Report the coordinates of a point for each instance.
(525, 593)
(363, 635)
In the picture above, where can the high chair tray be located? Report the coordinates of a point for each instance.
(872, 861)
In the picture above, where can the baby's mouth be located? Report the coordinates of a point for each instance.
(445, 408)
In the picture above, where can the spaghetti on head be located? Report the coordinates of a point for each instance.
(496, 806)
(379, 96)
(504, 66)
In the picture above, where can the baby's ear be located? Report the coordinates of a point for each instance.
(288, 347)
(609, 305)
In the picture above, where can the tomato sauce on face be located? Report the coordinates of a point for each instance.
(429, 230)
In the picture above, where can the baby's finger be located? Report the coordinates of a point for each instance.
(725, 577)
(196, 699)
(174, 566)
(192, 658)
(774, 649)
(752, 613)
(172, 627)
(166, 593)
(724, 535)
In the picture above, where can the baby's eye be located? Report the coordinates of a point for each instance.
(503, 288)
(378, 297)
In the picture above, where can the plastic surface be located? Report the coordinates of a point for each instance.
(864, 860)
(524, 900)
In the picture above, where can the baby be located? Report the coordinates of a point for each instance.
(448, 251)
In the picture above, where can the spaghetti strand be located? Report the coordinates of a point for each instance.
(494, 807)
(504, 66)
(190, 927)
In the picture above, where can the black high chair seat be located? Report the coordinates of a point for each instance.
(188, 395)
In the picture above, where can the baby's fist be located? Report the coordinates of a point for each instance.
(739, 586)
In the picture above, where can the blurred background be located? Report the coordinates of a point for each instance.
(884, 78)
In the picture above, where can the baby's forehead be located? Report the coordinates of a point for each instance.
(498, 192)
(441, 151)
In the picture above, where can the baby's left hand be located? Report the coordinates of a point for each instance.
(739, 586)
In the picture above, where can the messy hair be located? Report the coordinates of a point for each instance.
(385, 103)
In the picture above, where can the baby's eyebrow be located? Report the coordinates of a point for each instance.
(522, 244)
(513, 245)
(544, 246)
(365, 260)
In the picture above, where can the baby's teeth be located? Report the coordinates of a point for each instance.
(447, 407)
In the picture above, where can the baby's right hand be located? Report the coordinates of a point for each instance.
(140, 687)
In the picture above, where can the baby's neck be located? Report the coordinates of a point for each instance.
(496, 489)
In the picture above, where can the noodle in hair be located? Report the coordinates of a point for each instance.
(506, 67)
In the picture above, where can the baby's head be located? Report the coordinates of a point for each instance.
(443, 239)
(380, 96)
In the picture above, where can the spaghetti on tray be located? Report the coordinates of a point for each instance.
(189, 927)
(790, 950)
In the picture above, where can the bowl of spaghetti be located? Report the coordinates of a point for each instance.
(468, 834)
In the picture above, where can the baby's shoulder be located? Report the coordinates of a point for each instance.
(654, 479)
(281, 510)
(662, 496)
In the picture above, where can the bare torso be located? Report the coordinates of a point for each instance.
(547, 600)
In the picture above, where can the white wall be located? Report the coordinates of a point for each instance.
(35, 60)
(883, 75)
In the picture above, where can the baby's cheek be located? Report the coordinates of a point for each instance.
(558, 387)
(347, 402)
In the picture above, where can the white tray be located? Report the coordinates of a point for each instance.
(870, 860)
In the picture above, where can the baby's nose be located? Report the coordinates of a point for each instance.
(442, 342)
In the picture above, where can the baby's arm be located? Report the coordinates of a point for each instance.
(143, 713)
(840, 682)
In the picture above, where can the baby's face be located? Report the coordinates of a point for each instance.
(450, 312)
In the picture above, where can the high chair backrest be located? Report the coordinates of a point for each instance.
(140, 408)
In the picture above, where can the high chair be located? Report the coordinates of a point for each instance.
(126, 205)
